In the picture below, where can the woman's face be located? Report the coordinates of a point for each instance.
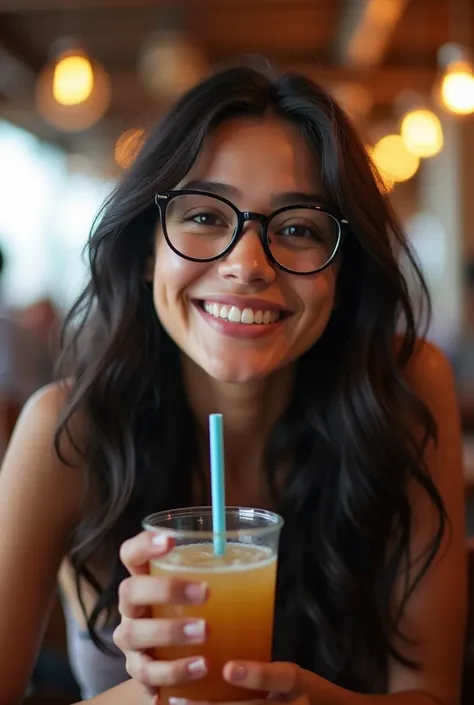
(258, 162)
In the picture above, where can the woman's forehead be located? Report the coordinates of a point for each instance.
(258, 154)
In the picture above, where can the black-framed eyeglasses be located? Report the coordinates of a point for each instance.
(202, 227)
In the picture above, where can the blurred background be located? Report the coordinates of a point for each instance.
(82, 81)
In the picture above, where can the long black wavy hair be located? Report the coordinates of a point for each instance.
(354, 433)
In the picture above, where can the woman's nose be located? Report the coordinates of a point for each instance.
(247, 262)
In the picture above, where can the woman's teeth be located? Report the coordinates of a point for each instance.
(237, 315)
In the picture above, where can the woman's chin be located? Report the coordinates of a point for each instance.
(237, 374)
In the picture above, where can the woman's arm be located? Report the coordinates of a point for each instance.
(287, 684)
(40, 501)
(436, 614)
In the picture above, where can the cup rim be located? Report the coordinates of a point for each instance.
(276, 523)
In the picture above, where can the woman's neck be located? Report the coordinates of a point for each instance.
(249, 410)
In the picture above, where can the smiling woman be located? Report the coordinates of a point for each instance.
(247, 260)
(246, 265)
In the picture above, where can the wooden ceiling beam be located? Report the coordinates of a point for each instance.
(384, 84)
(17, 6)
(365, 30)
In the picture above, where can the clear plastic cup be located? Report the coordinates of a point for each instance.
(240, 607)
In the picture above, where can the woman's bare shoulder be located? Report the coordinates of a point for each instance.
(50, 400)
(428, 369)
(33, 449)
(430, 373)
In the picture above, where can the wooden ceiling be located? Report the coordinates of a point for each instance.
(386, 46)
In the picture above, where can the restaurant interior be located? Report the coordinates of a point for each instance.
(83, 81)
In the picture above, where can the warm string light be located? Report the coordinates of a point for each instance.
(457, 88)
(128, 146)
(393, 161)
(422, 133)
(396, 156)
(72, 91)
(73, 79)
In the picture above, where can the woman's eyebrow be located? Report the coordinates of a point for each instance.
(297, 197)
(276, 200)
(217, 187)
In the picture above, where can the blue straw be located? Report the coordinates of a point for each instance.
(216, 434)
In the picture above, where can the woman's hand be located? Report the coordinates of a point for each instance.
(282, 683)
(138, 632)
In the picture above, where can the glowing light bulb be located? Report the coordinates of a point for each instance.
(72, 92)
(457, 88)
(422, 133)
(393, 160)
(127, 147)
(73, 80)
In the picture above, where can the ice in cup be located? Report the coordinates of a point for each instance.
(240, 607)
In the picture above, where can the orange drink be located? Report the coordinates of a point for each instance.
(239, 612)
(240, 607)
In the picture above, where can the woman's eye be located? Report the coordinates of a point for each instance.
(206, 219)
(299, 231)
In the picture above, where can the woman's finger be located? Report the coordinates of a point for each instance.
(139, 634)
(154, 674)
(135, 553)
(142, 661)
(140, 591)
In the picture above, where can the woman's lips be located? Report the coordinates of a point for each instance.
(233, 328)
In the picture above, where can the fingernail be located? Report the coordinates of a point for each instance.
(196, 592)
(178, 701)
(197, 667)
(160, 540)
(195, 629)
(238, 672)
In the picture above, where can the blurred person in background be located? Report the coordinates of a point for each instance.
(41, 320)
(265, 286)
(20, 364)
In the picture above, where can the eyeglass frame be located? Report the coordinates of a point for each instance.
(162, 200)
